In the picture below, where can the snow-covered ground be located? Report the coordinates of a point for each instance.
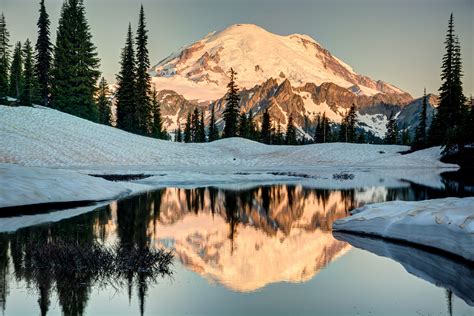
(32, 185)
(45, 156)
(446, 224)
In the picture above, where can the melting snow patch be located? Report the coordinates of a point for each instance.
(445, 224)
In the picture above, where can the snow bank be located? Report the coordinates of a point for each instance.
(29, 185)
(446, 224)
(42, 137)
(48, 138)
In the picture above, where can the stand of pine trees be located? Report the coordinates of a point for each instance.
(75, 67)
(138, 108)
(347, 132)
(29, 89)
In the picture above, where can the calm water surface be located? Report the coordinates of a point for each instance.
(261, 251)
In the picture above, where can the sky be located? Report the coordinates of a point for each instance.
(397, 41)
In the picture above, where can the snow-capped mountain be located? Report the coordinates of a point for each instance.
(290, 74)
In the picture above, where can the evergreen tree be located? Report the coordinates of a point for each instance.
(195, 125)
(347, 132)
(326, 129)
(243, 126)
(231, 112)
(251, 126)
(361, 137)
(103, 103)
(420, 140)
(143, 81)
(75, 68)
(126, 96)
(405, 137)
(157, 130)
(290, 138)
(323, 129)
(278, 138)
(29, 91)
(265, 132)
(445, 128)
(187, 129)
(391, 136)
(318, 131)
(351, 125)
(4, 58)
(179, 136)
(213, 132)
(44, 55)
(16, 72)
(202, 128)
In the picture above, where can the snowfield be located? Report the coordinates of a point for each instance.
(46, 156)
(445, 224)
(31, 185)
(44, 137)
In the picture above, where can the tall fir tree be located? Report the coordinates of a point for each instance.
(4, 57)
(266, 132)
(75, 68)
(231, 112)
(143, 82)
(187, 129)
(201, 129)
(213, 133)
(29, 91)
(290, 137)
(157, 123)
(445, 126)
(351, 124)
(103, 103)
(347, 132)
(252, 127)
(243, 126)
(126, 82)
(194, 125)
(16, 72)
(391, 136)
(325, 129)
(318, 130)
(278, 138)
(420, 140)
(44, 55)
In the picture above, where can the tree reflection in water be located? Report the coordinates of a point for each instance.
(70, 259)
(244, 239)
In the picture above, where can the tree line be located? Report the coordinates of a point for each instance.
(65, 76)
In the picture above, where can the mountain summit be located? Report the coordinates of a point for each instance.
(198, 71)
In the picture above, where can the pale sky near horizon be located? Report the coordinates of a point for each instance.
(397, 41)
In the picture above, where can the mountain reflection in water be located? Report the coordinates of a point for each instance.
(243, 239)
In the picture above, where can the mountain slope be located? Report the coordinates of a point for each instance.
(198, 71)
